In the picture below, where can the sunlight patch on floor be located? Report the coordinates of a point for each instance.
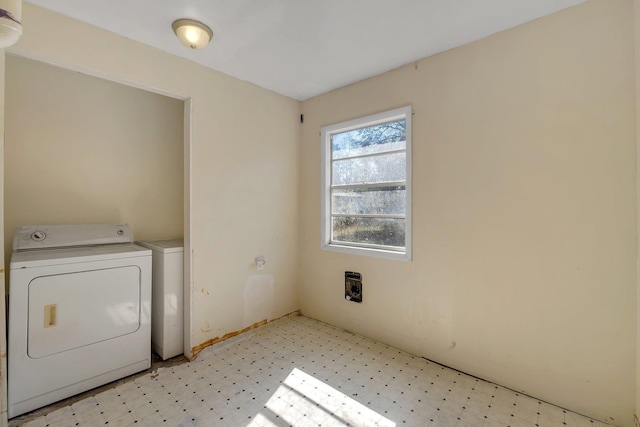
(304, 400)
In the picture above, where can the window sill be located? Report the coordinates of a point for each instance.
(376, 253)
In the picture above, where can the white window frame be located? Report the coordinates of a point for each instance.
(325, 194)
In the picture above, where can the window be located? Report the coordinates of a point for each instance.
(366, 185)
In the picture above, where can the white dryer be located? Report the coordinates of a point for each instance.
(79, 311)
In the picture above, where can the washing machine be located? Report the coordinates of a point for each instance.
(79, 311)
(166, 296)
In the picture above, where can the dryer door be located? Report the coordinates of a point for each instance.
(68, 311)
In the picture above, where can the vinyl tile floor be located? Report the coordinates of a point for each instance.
(301, 372)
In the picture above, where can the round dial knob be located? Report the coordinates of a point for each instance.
(38, 236)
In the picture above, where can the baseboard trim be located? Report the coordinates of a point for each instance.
(197, 349)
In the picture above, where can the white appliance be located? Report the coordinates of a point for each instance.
(79, 311)
(166, 305)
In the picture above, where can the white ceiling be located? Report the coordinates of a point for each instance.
(303, 48)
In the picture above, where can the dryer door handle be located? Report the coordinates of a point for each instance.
(50, 315)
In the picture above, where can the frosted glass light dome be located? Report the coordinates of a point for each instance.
(10, 26)
(192, 34)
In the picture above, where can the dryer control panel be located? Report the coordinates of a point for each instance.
(30, 237)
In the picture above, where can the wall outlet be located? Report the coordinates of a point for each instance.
(353, 286)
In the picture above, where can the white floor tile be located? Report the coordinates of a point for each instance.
(304, 373)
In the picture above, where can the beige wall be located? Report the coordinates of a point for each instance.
(523, 268)
(636, 21)
(80, 149)
(242, 192)
(3, 335)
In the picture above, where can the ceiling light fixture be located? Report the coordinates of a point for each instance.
(10, 27)
(192, 34)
